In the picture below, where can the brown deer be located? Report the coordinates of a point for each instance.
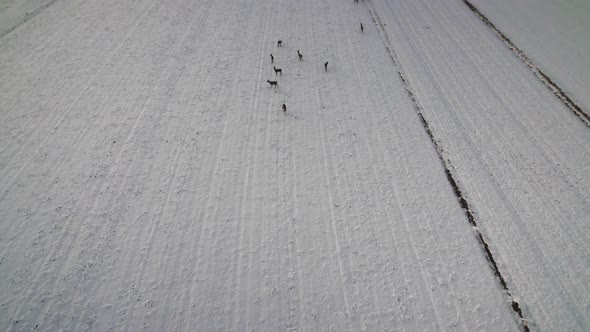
(273, 84)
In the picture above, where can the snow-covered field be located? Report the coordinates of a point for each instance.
(554, 33)
(13, 13)
(149, 179)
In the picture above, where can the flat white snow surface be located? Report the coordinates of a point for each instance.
(149, 179)
(555, 34)
(15, 12)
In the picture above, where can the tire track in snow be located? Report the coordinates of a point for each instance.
(62, 57)
(201, 311)
(58, 169)
(61, 169)
(39, 120)
(105, 183)
(295, 221)
(173, 271)
(66, 229)
(379, 156)
(250, 191)
(251, 203)
(289, 296)
(544, 78)
(328, 174)
(288, 227)
(170, 179)
(320, 276)
(289, 13)
(169, 77)
(257, 120)
(447, 168)
(144, 105)
(199, 65)
(346, 158)
(358, 256)
(248, 194)
(268, 236)
(241, 214)
(6, 185)
(401, 215)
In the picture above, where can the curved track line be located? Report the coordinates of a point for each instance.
(38, 276)
(7, 184)
(447, 168)
(328, 173)
(380, 155)
(544, 78)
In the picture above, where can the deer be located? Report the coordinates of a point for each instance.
(278, 70)
(285, 109)
(326, 66)
(300, 56)
(362, 28)
(280, 43)
(272, 58)
(273, 84)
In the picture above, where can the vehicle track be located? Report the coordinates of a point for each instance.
(447, 168)
(380, 156)
(241, 279)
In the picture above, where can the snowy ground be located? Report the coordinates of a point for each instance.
(149, 179)
(554, 33)
(13, 13)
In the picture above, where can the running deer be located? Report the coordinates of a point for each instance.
(277, 70)
(300, 56)
(273, 84)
